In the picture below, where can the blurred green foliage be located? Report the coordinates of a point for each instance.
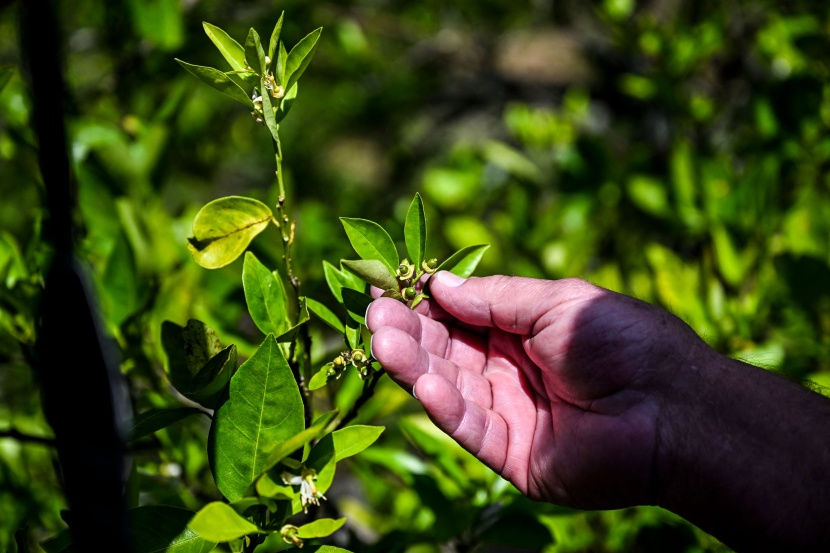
(677, 151)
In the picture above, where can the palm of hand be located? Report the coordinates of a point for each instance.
(562, 411)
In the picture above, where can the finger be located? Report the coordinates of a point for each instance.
(406, 361)
(512, 304)
(465, 349)
(480, 431)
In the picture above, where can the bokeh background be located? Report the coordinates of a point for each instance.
(673, 150)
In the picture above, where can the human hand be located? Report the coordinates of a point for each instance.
(557, 385)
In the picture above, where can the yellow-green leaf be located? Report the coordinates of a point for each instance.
(224, 228)
(219, 522)
(230, 49)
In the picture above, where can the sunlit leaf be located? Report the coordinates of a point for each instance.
(351, 440)
(275, 38)
(295, 442)
(263, 410)
(266, 486)
(356, 304)
(151, 421)
(282, 60)
(320, 378)
(372, 271)
(265, 296)
(302, 318)
(338, 279)
(300, 56)
(353, 334)
(464, 261)
(415, 231)
(325, 314)
(256, 55)
(219, 81)
(371, 241)
(286, 103)
(224, 227)
(230, 49)
(219, 522)
(320, 528)
(163, 529)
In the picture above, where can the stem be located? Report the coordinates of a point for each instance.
(287, 226)
(368, 392)
(15, 434)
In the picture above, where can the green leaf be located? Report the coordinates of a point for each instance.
(415, 231)
(356, 304)
(302, 318)
(247, 502)
(300, 439)
(320, 528)
(320, 378)
(354, 439)
(286, 103)
(210, 382)
(268, 487)
(253, 46)
(224, 227)
(300, 56)
(218, 522)
(354, 335)
(327, 549)
(370, 241)
(337, 280)
(188, 350)
(464, 261)
(325, 314)
(275, 38)
(372, 271)
(230, 49)
(282, 60)
(265, 296)
(195, 375)
(163, 529)
(154, 420)
(263, 410)
(219, 81)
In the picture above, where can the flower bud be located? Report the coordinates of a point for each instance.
(267, 60)
(289, 535)
(406, 270)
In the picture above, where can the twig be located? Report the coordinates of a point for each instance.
(15, 434)
(368, 392)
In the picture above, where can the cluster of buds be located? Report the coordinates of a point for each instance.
(309, 494)
(276, 91)
(354, 357)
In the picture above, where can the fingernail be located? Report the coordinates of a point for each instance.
(413, 392)
(447, 278)
(366, 315)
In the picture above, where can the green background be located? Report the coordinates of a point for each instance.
(673, 150)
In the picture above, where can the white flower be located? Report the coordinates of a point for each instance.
(308, 491)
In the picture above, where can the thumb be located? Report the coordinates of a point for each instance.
(512, 304)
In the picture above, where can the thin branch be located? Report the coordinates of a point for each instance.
(15, 434)
(368, 392)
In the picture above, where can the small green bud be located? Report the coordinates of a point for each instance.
(429, 266)
(359, 357)
(406, 270)
(409, 293)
